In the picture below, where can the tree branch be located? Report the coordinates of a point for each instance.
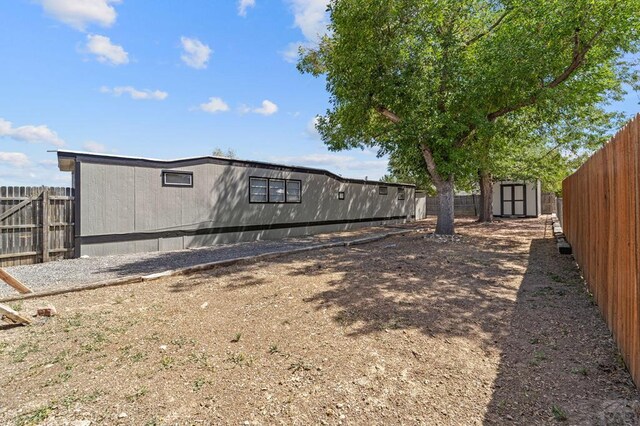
(489, 30)
(388, 114)
(431, 165)
(580, 51)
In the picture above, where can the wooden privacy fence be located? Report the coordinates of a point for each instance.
(36, 224)
(601, 204)
(549, 203)
(463, 205)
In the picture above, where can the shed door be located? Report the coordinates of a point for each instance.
(514, 202)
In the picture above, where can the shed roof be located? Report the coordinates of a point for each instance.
(67, 160)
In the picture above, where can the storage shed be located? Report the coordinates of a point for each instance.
(517, 199)
(129, 205)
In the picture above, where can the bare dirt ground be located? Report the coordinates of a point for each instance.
(492, 328)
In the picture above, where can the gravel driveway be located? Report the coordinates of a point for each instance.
(74, 272)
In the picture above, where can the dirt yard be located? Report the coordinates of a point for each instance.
(493, 327)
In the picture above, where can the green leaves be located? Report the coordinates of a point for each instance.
(457, 76)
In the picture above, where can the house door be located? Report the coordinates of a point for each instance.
(514, 200)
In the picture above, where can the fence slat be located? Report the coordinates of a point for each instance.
(601, 218)
(37, 224)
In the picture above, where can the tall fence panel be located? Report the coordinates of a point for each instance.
(549, 203)
(36, 224)
(464, 205)
(601, 218)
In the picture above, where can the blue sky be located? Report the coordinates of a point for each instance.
(164, 79)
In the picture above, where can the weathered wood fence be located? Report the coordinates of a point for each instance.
(463, 205)
(601, 204)
(549, 203)
(36, 224)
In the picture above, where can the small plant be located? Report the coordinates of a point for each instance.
(182, 341)
(582, 371)
(558, 413)
(198, 384)
(22, 351)
(73, 322)
(556, 278)
(300, 366)
(237, 337)
(538, 356)
(534, 341)
(139, 356)
(64, 376)
(239, 359)
(16, 306)
(34, 417)
(137, 394)
(167, 361)
(273, 349)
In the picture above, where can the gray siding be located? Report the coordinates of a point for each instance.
(120, 199)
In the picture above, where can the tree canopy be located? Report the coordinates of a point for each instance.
(431, 78)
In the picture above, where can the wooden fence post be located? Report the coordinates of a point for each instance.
(45, 225)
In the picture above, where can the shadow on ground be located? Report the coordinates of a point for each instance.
(503, 286)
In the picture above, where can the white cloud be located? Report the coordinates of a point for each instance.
(156, 95)
(92, 146)
(195, 53)
(105, 51)
(292, 51)
(311, 130)
(80, 13)
(311, 17)
(348, 165)
(15, 159)
(243, 5)
(267, 108)
(214, 105)
(29, 133)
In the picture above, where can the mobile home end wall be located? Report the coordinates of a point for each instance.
(125, 208)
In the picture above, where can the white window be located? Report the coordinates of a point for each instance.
(257, 190)
(276, 191)
(177, 179)
(294, 191)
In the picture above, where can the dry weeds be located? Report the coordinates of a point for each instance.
(493, 328)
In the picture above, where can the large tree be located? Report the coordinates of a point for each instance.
(431, 75)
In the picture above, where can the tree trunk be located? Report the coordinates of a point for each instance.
(486, 196)
(445, 224)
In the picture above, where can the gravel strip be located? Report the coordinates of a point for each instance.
(73, 272)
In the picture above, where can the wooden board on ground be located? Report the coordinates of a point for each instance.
(13, 282)
(12, 316)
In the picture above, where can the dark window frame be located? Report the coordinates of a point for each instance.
(268, 201)
(383, 190)
(176, 172)
(341, 195)
(286, 191)
(401, 194)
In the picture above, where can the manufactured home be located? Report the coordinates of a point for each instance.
(131, 205)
